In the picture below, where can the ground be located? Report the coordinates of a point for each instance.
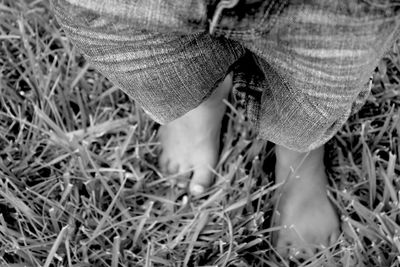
(80, 183)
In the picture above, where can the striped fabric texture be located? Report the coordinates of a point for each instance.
(300, 68)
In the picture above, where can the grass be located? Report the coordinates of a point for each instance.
(80, 183)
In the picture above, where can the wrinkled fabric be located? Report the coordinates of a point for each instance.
(300, 68)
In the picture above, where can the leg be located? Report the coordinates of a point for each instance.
(168, 74)
(316, 61)
(303, 206)
(303, 209)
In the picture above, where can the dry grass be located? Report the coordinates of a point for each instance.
(80, 183)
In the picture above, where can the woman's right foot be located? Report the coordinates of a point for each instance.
(309, 219)
(191, 142)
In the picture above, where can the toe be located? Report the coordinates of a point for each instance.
(333, 238)
(179, 173)
(301, 254)
(284, 248)
(173, 167)
(163, 163)
(201, 180)
(182, 184)
(183, 175)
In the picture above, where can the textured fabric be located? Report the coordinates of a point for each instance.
(317, 59)
(300, 68)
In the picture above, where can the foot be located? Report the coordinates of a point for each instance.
(309, 220)
(191, 142)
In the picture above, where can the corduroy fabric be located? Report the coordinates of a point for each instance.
(300, 68)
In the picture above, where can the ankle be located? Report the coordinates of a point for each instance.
(291, 158)
(301, 170)
(220, 93)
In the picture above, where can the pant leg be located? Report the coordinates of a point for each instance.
(315, 61)
(167, 73)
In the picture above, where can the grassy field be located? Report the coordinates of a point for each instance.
(80, 183)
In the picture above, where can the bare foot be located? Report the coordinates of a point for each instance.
(191, 142)
(310, 221)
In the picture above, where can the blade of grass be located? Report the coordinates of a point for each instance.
(256, 195)
(106, 213)
(55, 246)
(201, 223)
(115, 251)
(142, 223)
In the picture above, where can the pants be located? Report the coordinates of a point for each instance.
(300, 67)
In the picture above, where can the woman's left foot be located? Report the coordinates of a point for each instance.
(309, 219)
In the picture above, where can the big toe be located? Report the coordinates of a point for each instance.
(202, 178)
(333, 237)
(163, 162)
